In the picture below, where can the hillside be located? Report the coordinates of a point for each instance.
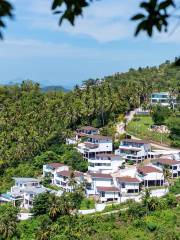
(33, 122)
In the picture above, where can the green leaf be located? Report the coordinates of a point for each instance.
(138, 16)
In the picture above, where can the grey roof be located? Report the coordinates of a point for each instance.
(34, 190)
(25, 179)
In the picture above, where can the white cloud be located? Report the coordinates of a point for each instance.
(104, 21)
(24, 49)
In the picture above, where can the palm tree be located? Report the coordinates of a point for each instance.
(146, 196)
(7, 227)
(167, 175)
(54, 210)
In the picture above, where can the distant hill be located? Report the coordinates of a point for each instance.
(54, 88)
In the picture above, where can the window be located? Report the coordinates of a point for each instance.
(102, 194)
(123, 185)
(174, 174)
(174, 167)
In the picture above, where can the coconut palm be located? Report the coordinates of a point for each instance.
(54, 209)
(7, 227)
(167, 174)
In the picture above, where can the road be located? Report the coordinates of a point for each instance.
(120, 129)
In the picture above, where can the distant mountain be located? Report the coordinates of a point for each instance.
(54, 88)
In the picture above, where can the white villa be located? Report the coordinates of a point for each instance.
(50, 169)
(24, 190)
(107, 194)
(95, 144)
(151, 176)
(81, 133)
(173, 165)
(86, 130)
(105, 163)
(135, 150)
(63, 178)
(128, 185)
(163, 98)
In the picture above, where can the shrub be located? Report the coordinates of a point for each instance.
(151, 226)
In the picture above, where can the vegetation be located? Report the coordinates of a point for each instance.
(87, 203)
(139, 221)
(34, 126)
(140, 127)
(175, 187)
(160, 114)
(8, 222)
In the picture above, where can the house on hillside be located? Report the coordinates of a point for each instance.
(151, 176)
(105, 163)
(95, 144)
(98, 180)
(82, 133)
(163, 99)
(86, 130)
(64, 179)
(50, 169)
(24, 190)
(134, 150)
(128, 185)
(107, 194)
(172, 165)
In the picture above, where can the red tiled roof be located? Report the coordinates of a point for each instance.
(107, 189)
(55, 165)
(128, 179)
(100, 175)
(82, 134)
(166, 161)
(66, 173)
(148, 169)
(134, 141)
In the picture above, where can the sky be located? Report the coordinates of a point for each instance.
(101, 43)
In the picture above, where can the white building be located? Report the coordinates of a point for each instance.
(107, 194)
(24, 182)
(135, 150)
(24, 190)
(95, 144)
(50, 169)
(98, 180)
(29, 194)
(63, 179)
(151, 176)
(163, 99)
(128, 185)
(81, 133)
(105, 163)
(173, 166)
(86, 130)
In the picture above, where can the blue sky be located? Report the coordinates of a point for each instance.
(101, 43)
